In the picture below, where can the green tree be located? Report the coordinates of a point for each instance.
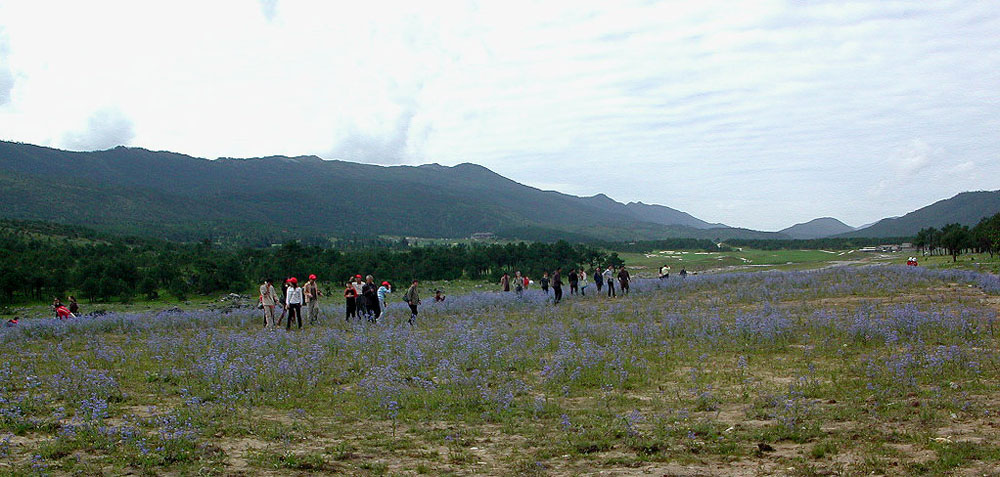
(987, 234)
(955, 238)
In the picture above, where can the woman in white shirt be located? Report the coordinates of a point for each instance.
(293, 302)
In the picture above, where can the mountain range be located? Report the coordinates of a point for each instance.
(269, 199)
(170, 195)
(966, 208)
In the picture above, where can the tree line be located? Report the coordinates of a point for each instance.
(829, 243)
(35, 266)
(955, 239)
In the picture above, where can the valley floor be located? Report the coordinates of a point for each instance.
(886, 370)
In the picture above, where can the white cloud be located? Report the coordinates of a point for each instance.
(757, 114)
(105, 129)
(269, 8)
(6, 85)
(6, 76)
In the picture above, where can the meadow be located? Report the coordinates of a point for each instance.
(748, 259)
(886, 370)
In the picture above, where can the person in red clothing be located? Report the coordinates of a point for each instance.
(61, 311)
(351, 299)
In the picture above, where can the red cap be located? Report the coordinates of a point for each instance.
(312, 277)
(385, 283)
(293, 280)
(357, 276)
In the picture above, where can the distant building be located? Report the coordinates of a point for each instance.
(868, 249)
(483, 236)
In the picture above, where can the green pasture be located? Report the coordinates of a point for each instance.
(648, 264)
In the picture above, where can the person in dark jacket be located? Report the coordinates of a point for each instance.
(598, 279)
(370, 294)
(623, 279)
(412, 298)
(557, 286)
(574, 282)
(351, 300)
(545, 282)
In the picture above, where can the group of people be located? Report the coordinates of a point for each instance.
(577, 280)
(363, 300)
(65, 311)
(665, 272)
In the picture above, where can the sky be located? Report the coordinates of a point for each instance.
(753, 114)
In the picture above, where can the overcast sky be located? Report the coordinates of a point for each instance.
(754, 114)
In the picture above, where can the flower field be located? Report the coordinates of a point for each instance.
(843, 371)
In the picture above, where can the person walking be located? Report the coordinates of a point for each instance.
(312, 294)
(293, 303)
(412, 298)
(545, 282)
(598, 279)
(518, 284)
(664, 272)
(370, 293)
(609, 280)
(351, 301)
(74, 307)
(268, 298)
(583, 282)
(574, 282)
(359, 286)
(623, 279)
(382, 291)
(684, 273)
(557, 286)
(505, 282)
(281, 301)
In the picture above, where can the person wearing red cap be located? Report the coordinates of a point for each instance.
(312, 294)
(382, 290)
(351, 299)
(359, 287)
(293, 303)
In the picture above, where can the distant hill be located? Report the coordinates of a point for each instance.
(966, 208)
(817, 228)
(268, 199)
(659, 214)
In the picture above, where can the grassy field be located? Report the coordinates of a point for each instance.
(847, 371)
(648, 264)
